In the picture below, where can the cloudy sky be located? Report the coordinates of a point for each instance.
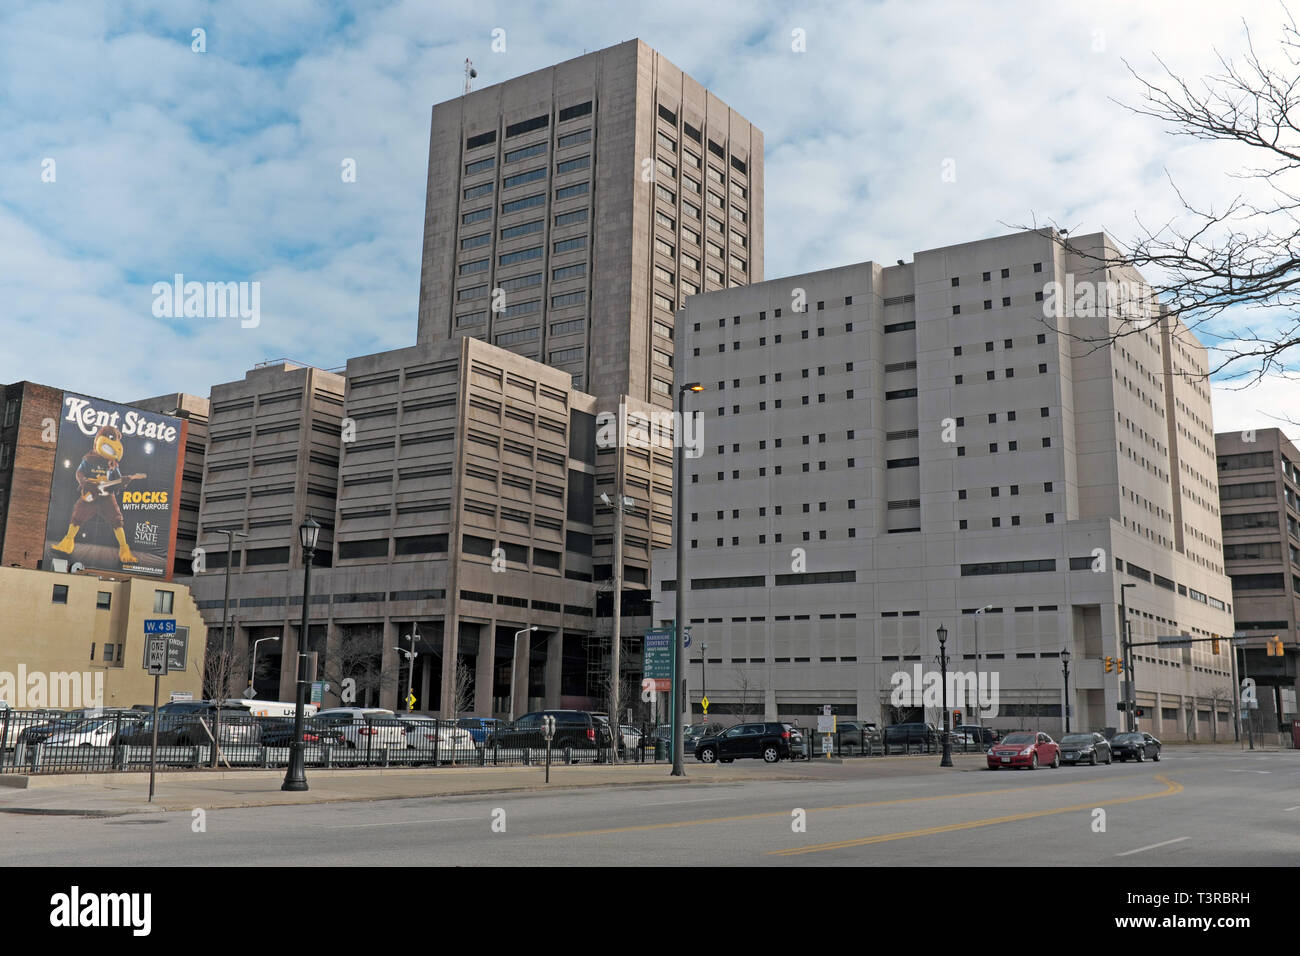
(225, 165)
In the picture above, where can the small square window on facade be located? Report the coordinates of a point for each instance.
(1050, 518)
(1038, 296)
(1038, 267)
(1047, 442)
(1042, 338)
(988, 346)
(1013, 445)
(1006, 343)
(961, 451)
(961, 525)
(1047, 486)
(1006, 300)
(1042, 368)
(987, 276)
(957, 380)
(60, 594)
(956, 310)
(988, 304)
(821, 306)
(1010, 373)
(1015, 519)
(961, 494)
(955, 282)
(1042, 412)
(956, 350)
(1006, 273)
(997, 522)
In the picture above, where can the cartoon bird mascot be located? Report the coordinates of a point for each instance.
(97, 473)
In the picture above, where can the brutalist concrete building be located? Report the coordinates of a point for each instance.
(889, 449)
(1259, 486)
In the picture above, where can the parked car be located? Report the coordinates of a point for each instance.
(21, 720)
(692, 734)
(1024, 748)
(1135, 746)
(771, 741)
(631, 737)
(95, 732)
(444, 736)
(911, 737)
(577, 729)
(278, 732)
(40, 732)
(192, 729)
(856, 737)
(983, 736)
(480, 728)
(797, 742)
(364, 728)
(1085, 748)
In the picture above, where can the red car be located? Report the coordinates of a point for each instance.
(1024, 748)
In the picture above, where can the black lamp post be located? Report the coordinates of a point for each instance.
(1065, 669)
(295, 778)
(943, 677)
(679, 621)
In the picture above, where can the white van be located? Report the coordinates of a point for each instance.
(271, 708)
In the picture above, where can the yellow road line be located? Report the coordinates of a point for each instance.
(1171, 788)
(843, 806)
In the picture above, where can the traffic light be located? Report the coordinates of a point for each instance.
(1141, 712)
(1275, 647)
(1214, 646)
(1110, 664)
(1119, 665)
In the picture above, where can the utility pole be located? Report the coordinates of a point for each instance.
(223, 662)
(978, 708)
(619, 504)
(1130, 700)
(678, 697)
(410, 656)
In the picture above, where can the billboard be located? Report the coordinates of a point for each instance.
(115, 493)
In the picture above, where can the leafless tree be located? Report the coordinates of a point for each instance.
(357, 658)
(1238, 260)
(749, 695)
(462, 692)
(1221, 697)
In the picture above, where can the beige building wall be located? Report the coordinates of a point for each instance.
(888, 461)
(95, 630)
(639, 187)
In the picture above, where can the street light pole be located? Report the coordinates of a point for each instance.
(222, 676)
(410, 656)
(978, 708)
(514, 667)
(252, 671)
(946, 760)
(1126, 650)
(620, 503)
(1065, 669)
(295, 777)
(679, 536)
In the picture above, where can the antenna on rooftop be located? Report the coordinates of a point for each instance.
(470, 74)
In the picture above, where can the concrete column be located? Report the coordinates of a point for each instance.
(388, 689)
(484, 670)
(289, 662)
(426, 683)
(554, 667)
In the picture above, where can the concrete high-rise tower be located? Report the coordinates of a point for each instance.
(571, 211)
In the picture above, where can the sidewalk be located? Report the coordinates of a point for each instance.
(112, 794)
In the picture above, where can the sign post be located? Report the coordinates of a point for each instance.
(157, 644)
(659, 662)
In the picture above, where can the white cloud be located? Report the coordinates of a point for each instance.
(225, 165)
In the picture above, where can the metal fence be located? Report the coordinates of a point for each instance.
(87, 742)
(41, 742)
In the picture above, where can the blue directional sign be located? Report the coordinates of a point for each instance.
(158, 625)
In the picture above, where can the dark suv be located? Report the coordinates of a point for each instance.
(576, 729)
(771, 741)
(912, 737)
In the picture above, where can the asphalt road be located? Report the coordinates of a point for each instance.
(1192, 808)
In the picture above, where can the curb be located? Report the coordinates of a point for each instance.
(532, 788)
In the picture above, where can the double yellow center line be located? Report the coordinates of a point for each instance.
(1171, 788)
